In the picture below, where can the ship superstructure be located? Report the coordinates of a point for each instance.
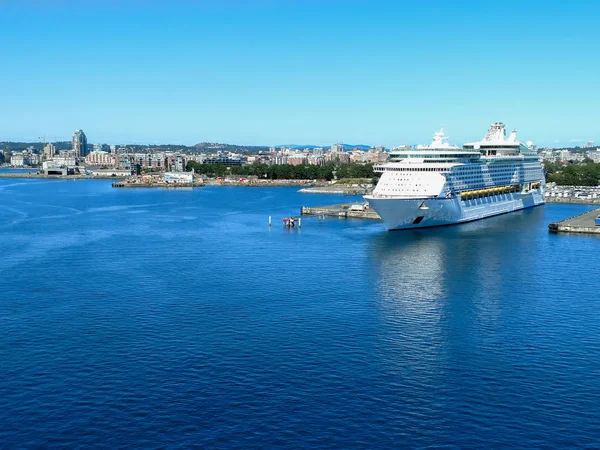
(441, 184)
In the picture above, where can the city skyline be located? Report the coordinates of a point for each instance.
(275, 73)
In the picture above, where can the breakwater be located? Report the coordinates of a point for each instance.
(582, 223)
(125, 184)
(263, 183)
(333, 189)
(573, 200)
(346, 211)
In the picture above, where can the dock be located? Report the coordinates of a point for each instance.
(344, 211)
(582, 223)
(125, 184)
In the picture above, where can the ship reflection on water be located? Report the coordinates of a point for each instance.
(449, 284)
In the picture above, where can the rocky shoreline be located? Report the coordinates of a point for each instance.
(39, 175)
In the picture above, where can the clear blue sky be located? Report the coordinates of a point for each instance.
(304, 71)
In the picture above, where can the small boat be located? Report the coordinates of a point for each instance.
(289, 222)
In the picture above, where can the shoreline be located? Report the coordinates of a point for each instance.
(305, 187)
(335, 189)
(37, 175)
(573, 200)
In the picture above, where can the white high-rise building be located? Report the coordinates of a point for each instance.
(80, 143)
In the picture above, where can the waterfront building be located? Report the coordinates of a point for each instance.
(124, 161)
(80, 143)
(20, 159)
(177, 162)
(112, 172)
(178, 177)
(54, 168)
(65, 159)
(99, 158)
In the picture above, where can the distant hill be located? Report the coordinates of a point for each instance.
(346, 146)
(20, 146)
(218, 147)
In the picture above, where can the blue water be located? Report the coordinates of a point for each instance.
(172, 318)
(17, 170)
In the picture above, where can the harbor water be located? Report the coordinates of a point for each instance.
(174, 318)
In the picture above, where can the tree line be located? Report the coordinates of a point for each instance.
(286, 171)
(586, 173)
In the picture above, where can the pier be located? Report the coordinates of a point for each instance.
(344, 211)
(125, 184)
(582, 223)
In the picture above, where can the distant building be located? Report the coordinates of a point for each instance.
(111, 172)
(178, 177)
(124, 161)
(178, 163)
(21, 159)
(80, 143)
(297, 159)
(99, 158)
(65, 159)
(54, 168)
(280, 158)
(339, 157)
(564, 155)
(225, 160)
(337, 148)
(590, 144)
(49, 151)
(316, 160)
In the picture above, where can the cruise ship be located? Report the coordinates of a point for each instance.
(442, 184)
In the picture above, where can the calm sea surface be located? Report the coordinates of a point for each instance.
(172, 318)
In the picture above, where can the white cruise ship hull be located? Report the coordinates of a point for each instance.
(403, 213)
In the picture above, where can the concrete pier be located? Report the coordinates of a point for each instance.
(342, 210)
(125, 184)
(582, 223)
